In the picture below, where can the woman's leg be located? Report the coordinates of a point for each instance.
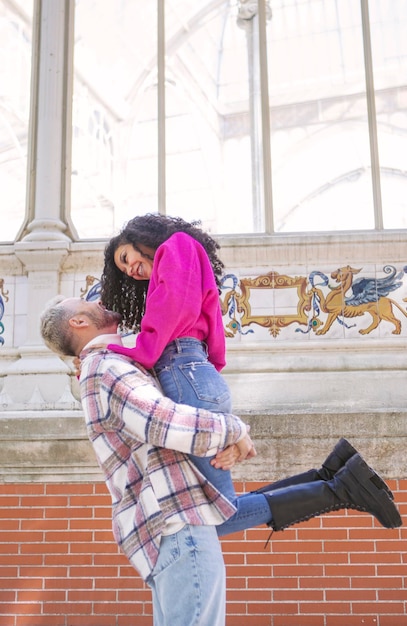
(252, 510)
(187, 377)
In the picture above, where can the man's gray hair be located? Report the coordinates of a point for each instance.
(55, 329)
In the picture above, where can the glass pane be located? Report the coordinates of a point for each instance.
(15, 71)
(388, 20)
(208, 128)
(115, 144)
(319, 137)
(114, 103)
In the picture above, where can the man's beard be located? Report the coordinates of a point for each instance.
(112, 317)
(104, 318)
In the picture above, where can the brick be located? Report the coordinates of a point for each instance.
(22, 537)
(246, 620)
(61, 512)
(349, 546)
(128, 596)
(34, 501)
(324, 583)
(31, 595)
(373, 557)
(7, 597)
(65, 536)
(324, 558)
(377, 582)
(350, 570)
(141, 620)
(69, 559)
(20, 559)
(378, 607)
(338, 607)
(44, 548)
(7, 620)
(97, 620)
(390, 620)
(45, 524)
(106, 608)
(24, 608)
(22, 513)
(300, 620)
(316, 533)
(298, 570)
(20, 583)
(68, 583)
(353, 620)
(391, 595)
(9, 572)
(67, 489)
(43, 572)
(92, 595)
(362, 595)
(299, 595)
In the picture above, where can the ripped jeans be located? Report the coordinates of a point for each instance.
(187, 377)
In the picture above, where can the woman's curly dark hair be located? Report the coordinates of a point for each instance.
(122, 293)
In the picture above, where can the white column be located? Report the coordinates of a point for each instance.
(39, 380)
(49, 159)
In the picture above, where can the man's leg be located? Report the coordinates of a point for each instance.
(188, 582)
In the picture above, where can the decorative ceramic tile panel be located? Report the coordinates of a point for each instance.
(320, 303)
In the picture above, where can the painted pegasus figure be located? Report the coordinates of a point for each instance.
(365, 295)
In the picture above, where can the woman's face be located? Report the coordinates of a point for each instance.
(131, 262)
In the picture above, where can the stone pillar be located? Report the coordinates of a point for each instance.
(38, 379)
(49, 159)
(248, 19)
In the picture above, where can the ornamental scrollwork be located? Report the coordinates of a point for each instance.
(3, 298)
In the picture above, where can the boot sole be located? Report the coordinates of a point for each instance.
(371, 498)
(343, 445)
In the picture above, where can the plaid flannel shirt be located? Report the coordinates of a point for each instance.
(141, 440)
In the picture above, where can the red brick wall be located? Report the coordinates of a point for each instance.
(59, 566)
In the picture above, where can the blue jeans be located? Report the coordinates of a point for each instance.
(188, 582)
(187, 377)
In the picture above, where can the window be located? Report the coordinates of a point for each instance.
(15, 64)
(252, 116)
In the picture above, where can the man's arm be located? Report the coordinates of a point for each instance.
(131, 402)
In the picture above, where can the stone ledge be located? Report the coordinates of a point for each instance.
(54, 447)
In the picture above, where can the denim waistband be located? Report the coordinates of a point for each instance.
(177, 345)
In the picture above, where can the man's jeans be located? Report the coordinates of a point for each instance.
(188, 583)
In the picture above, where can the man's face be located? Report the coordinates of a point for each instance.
(101, 318)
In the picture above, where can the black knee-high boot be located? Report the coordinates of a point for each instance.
(353, 487)
(342, 452)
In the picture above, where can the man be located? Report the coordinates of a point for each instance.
(165, 514)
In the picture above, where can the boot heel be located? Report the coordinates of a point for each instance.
(371, 498)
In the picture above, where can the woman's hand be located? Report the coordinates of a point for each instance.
(227, 458)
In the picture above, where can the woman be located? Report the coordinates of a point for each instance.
(162, 274)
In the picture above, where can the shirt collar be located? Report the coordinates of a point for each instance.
(103, 340)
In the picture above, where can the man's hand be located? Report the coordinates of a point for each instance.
(226, 459)
(77, 365)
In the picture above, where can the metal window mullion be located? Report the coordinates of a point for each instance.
(265, 120)
(161, 165)
(371, 112)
